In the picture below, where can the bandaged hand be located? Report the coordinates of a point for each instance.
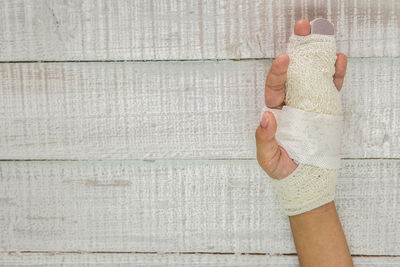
(299, 146)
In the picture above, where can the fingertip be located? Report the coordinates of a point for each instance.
(342, 58)
(340, 65)
(271, 125)
(342, 55)
(302, 27)
(264, 120)
(267, 128)
(280, 64)
(283, 59)
(271, 118)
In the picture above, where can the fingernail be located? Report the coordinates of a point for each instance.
(264, 121)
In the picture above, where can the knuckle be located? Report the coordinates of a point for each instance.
(269, 165)
(266, 165)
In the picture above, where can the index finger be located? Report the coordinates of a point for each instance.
(275, 84)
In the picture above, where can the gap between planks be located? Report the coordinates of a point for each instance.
(159, 60)
(174, 253)
(163, 160)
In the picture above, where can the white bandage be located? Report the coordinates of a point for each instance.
(309, 137)
(309, 128)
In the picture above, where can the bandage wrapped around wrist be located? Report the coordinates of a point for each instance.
(310, 125)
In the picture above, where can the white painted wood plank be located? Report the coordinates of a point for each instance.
(181, 29)
(165, 260)
(181, 206)
(174, 110)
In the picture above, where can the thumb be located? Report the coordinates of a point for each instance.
(268, 151)
(272, 158)
(265, 132)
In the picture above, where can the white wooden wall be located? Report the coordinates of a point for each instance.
(127, 131)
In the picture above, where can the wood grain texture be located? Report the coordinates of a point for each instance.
(197, 110)
(170, 260)
(181, 206)
(179, 110)
(165, 30)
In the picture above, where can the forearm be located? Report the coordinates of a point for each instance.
(319, 238)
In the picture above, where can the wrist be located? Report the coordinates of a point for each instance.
(321, 210)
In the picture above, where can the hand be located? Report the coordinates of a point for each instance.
(272, 158)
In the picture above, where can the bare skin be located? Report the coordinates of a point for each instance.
(317, 234)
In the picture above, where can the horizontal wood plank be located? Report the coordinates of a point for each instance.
(181, 206)
(173, 110)
(176, 30)
(170, 260)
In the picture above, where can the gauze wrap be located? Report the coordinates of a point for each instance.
(310, 127)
